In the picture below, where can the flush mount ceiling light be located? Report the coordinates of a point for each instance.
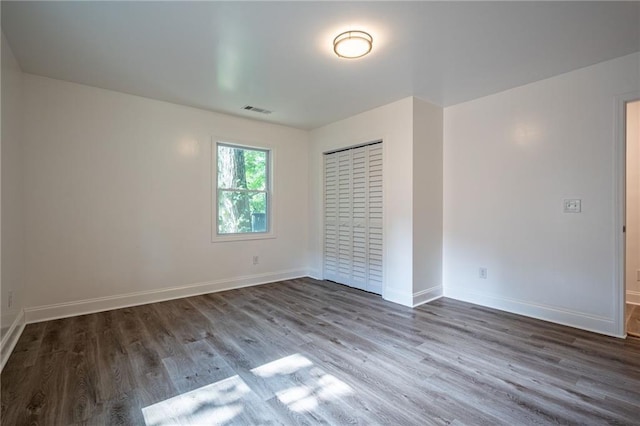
(352, 44)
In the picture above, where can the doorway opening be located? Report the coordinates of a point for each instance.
(632, 216)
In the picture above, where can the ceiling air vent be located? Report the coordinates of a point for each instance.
(256, 109)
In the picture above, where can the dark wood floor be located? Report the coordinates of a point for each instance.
(309, 352)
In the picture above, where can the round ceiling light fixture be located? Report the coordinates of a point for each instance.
(352, 44)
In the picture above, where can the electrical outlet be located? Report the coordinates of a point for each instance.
(10, 301)
(572, 206)
(256, 260)
(482, 273)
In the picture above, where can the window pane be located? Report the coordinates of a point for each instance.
(256, 169)
(241, 212)
(241, 168)
(258, 204)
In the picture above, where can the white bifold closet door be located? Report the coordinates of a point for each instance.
(353, 217)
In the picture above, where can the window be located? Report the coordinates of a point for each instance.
(242, 198)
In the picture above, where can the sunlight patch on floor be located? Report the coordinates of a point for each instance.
(216, 403)
(313, 385)
(282, 366)
(307, 397)
(293, 380)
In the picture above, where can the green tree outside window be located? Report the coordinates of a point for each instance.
(243, 183)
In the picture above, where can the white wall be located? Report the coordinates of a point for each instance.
(509, 161)
(394, 124)
(633, 202)
(118, 200)
(427, 201)
(12, 252)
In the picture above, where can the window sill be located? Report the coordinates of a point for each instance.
(243, 237)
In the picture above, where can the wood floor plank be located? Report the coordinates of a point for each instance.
(199, 367)
(82, 389)
(479, 377)
(122, 410)
(56, 336)
(150, 375)
(185, 322)
(365, 378)
(307, 352)
(116, 372)
(28, 345)
(155, 329)
(381, 372)
(43, 398)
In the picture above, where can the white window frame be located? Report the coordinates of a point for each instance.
(246, 236)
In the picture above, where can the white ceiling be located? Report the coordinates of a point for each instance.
(278, 55)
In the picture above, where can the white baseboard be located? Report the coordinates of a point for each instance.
(99, 304)
(427, 295)
(412, 300)
(10, 339)
(633, 297)
(315, 274)
(575, 319)
(399, 297)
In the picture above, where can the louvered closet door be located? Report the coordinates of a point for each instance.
(331, 217)
(345, 248)
(359, 217)
(374, 192)
(353, 217)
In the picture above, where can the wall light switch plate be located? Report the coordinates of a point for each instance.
(482, 273)
(572, 206)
